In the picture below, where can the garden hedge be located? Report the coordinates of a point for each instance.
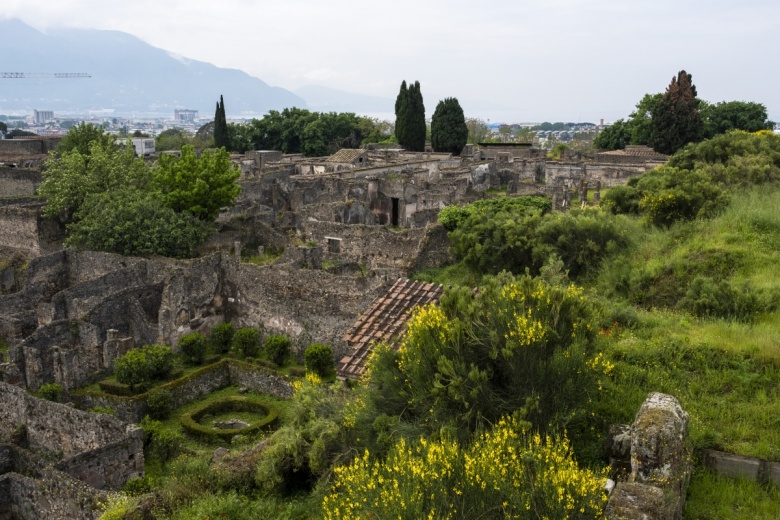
(190, 421)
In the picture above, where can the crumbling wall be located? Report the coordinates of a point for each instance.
(99, 449)
(17, 182)
(660, 463)
(19, 227)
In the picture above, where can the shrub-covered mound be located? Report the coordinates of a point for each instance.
(191, 421)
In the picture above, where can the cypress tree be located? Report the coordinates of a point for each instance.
(401, 114)
(220, 126)
(676, 120)
(449, 132)
(416, 122)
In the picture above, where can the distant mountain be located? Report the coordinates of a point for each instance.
(128, 76)
(325, 99)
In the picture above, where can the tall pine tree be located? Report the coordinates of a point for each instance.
(676, 120)
(221, 138)
(410, 126)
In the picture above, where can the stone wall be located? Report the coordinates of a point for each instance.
(19, 227)
(17, 182)
(30, 146)
(100, 449)
(660, 462)
(193, 387)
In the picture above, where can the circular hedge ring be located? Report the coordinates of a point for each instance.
(191, 421)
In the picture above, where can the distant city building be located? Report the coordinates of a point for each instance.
(184, 115)
(42, 116)
(143, 146)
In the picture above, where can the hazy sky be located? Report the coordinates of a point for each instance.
(521, 60)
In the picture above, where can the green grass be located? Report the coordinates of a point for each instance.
(714, 497)
(268, 257)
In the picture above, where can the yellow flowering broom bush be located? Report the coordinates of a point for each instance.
(504, 473)
(516, 343)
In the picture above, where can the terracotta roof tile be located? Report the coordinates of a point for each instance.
(385, 319)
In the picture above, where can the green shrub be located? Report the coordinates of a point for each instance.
(105, 410)
(319, 358)
(138, 486)
(144, 364)
(277, 348)
(193, 347)
(297, 371)
(50, 392)
(166, 445)
(246, 342)
(159, 403)
(707, 297)
(221, 337)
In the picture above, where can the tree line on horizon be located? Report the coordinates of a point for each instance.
(668, 121)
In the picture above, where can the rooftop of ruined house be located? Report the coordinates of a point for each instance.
(384, 320)
(346, 155)
(635, 150)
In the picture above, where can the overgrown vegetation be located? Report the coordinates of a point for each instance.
(598, 310)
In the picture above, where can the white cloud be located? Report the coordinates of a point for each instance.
(553, 59)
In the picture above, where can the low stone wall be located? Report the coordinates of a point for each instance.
(736, 466)
(192, 387)
(660, 463)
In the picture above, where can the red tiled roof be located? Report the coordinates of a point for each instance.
(384, 320)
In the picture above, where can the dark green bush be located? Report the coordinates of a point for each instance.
(166, 445)
(319, 358)
(246, 342)
(159, 403)
(193, 347)
(221, 337)
(144, 364)
(719, 299)
(50, 392)
(105, 410)
(277, 348)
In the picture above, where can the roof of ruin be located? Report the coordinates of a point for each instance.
(384, 320)
(636, 151)
(346, 155)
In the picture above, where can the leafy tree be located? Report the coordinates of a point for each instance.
(201, 186)
(478, 131)
(3, 127)
(676, 120)
(239, 138)
(160, 403)
(130, 222)
(449, 132)
(18, 132)
(639, 123)
(735, 115)
(81, 137)
(221, 137)
(614, 137)
(70, 176)
(172, 139)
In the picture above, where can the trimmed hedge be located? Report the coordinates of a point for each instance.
(190, 421)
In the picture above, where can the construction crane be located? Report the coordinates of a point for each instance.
(60, 75)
